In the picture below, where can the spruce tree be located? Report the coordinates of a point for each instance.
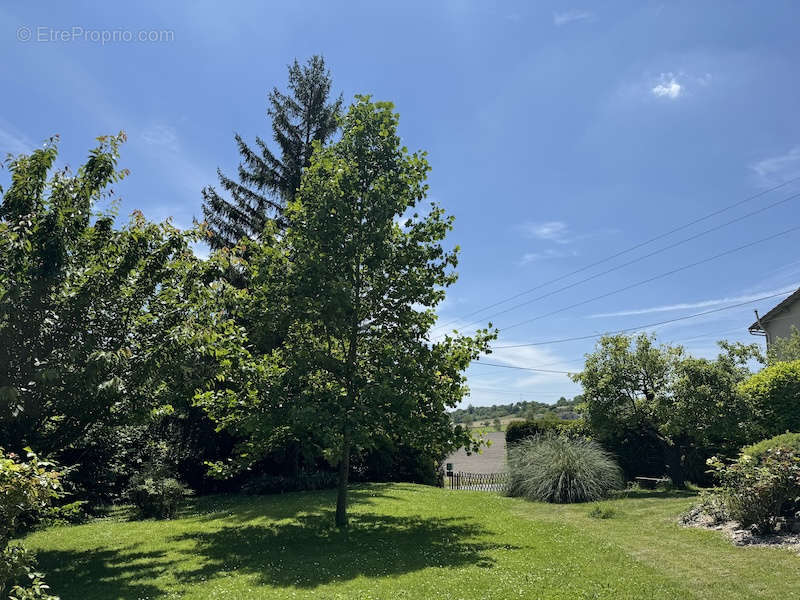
(266, 183)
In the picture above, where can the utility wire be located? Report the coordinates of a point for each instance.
(656, 277)
(477, 362)
(640, 327)
(618, 267)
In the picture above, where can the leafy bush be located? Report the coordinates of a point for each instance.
(279, 484)
(155, 496)
(786, 441)
(774, 394)
(758, 492)
(602, 511)
(26, 488)
(554, 468)
(520, 430)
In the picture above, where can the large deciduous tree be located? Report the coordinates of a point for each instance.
(361, 271)
(303, 117)
(84, 306)
(687, 408)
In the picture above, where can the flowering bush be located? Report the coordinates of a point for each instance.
(759, 491)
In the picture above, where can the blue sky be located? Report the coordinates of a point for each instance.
(558, 133)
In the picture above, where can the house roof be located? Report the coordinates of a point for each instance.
(783, 304)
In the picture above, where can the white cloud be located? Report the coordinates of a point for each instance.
(687, 305)
(161, 135)
(667, 87)
(774, 169)
(530, 257)
(554, 231)
(570, 16)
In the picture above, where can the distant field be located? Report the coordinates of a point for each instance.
(411, 542)
(491, 459)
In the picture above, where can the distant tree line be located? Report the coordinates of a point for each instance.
(562, 409)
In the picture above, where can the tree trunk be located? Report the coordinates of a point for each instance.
(344, 474)
(672, 459)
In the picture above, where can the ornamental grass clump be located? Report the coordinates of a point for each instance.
(559, 469)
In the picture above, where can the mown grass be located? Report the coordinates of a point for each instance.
(410, 541)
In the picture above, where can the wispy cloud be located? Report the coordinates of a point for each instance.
(531, 257)
(570, 16)
(553, 231)
(667, 87)
(774, 169)
(698, 304)
(161, 135)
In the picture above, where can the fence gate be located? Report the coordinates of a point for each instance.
(487, 482)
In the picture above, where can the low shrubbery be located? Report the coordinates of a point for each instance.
(156, 496)
(27, 487)
(759, 492)
(517, 431)
(553, 468)
(785, 441)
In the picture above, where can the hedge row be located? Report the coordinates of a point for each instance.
(520, 430)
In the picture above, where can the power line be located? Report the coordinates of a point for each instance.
(615, 268)
(477, 362)
(656, 277)
(640, 327)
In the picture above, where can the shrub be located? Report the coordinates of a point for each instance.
(786, 441)
(774, 394)
(759, 492)
(520, 430)
(155, 496)
(602, 511)
(26, 489)
(554, 468)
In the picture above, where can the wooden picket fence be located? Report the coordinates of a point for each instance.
(486, 482)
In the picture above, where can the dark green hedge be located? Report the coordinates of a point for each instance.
(519, 430)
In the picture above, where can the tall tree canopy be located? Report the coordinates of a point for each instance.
(84, 306)
(300, 119)
(359, 271)
(684, 406)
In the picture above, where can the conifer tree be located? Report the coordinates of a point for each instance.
(266, 183)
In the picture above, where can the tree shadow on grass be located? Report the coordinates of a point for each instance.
(663, 494)
(102, 574)
(243, 508)
(309, 551)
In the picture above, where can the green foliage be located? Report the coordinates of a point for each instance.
(300, 120)
(758, 492)
(71, 513)
(552, 468)
(601, 510)
(520, 430)
(563, 409)
(27, 489)
(85, 305)
(774, 394)
(784, 349)
(353, 293)
(785, 441)
(156, 496)
(660, 410)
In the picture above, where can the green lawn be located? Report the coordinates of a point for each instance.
(409, 541)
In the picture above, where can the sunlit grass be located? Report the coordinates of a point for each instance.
(410, 541)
